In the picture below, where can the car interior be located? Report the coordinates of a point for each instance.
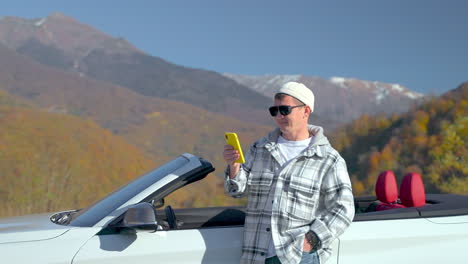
(410, 201)
(411, 194)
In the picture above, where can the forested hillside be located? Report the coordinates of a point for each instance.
(430, 139)
(69, 134)
(161, 129)
(8, 100)
(52, 161)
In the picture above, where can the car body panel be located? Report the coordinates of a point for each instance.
(29, 228)
(434, 233)
(404, 241)
(59, 250)
(210, 245)
(207, 245)
(462, 219)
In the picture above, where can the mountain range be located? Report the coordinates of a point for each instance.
(74, 78)
(62, 42)
(339, 100)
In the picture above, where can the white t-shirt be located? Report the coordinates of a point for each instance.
(288, 150)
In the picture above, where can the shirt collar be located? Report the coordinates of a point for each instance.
(315, 147)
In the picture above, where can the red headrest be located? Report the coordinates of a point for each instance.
(412, 193)
(386, 188)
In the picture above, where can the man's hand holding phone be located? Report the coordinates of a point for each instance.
(233, 153)
(230, 156)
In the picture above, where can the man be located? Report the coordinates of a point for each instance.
(298, 188)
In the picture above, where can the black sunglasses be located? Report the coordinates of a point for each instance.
(283, 109)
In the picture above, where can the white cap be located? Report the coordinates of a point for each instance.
(300, 92)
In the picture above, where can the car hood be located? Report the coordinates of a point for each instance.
(29, 228)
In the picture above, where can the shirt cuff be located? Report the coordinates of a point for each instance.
(322, 232)
(313, 240)
(232, 185)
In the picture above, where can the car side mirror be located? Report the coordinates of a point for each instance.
(158, 203)
(140, 216)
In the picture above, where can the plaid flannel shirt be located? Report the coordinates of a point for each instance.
(312, 193)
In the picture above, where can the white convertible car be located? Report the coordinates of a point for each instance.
(126, 227)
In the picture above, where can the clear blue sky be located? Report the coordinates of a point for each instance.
(421, 44)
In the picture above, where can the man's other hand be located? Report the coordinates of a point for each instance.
(307, 247)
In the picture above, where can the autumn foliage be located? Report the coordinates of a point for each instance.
(56, 161)
(430, 139)
(52, 162)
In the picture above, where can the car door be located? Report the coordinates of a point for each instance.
(416, 240)
(205, 245)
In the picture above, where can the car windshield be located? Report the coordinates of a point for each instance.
(94, 213)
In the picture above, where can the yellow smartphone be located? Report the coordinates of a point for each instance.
(233, 140)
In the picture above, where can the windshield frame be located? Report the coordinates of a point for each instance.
(134, 192)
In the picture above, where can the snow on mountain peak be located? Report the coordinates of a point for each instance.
(275, 79)
(381, 90)
(414, 95)
(337, 80)
(265, 84)
(40, 22)
(340, 81)
(398, 88)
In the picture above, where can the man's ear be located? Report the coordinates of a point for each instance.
(307, 111)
